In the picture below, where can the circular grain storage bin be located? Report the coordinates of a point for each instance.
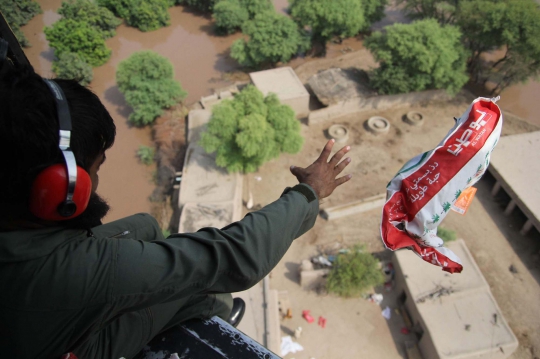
(339, 133)
(378, 125)
(414, 118)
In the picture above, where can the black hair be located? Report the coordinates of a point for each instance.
(29, 132)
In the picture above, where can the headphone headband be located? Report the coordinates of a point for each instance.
(68, 207)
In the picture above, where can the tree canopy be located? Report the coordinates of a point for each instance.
(230, 15)
(442, 10)
(79, 37)
(73, 67)
(146, 15)
(419, 56)
(250, 130)
(272, 38)
(17, 14)
(97, 16)
(353, 273)
(512, 26)
(343, 18)
(147, 81)
(206, 6)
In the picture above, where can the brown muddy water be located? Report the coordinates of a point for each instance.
(523, 100)
(199, 59)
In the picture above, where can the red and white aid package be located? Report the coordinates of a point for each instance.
(424, 190)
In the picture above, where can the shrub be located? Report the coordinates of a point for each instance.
(447, 235)
(272, 38)
(17, 14)
(419, 56)
(146, 80)
(73, 67)
(353, 273)
(146, 154)
(249, 130)
(67, 35)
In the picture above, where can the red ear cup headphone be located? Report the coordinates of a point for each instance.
(61, 191)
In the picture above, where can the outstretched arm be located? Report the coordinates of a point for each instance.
(230, 259)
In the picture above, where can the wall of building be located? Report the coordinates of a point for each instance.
(382, 102)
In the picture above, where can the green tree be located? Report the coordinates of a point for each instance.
(97, 16)
(512, 26)
(17, 14)
(353, 273)
(255, 7)
(206, 6)
(146, 15)
(147, 81)
(343, 18)
(443, 11)
(67, 35)
(272, 38)
(250, 130)
(373, 11)
(73, 67)
(229, 16)
(419, 56)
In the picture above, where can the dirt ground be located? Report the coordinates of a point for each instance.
(355, 327)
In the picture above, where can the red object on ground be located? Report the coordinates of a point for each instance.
(405, 330)
(69, 356)
(322, 322)
(307, 316)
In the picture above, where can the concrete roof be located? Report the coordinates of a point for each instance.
(281, 81)
(209, 195)
(469, 303)
(197, 120)
(515, 163)
(203, 181)
(423, 277)
(335, 85)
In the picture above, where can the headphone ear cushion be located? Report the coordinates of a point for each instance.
(49, 191)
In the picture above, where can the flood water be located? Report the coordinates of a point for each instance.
(523, 100)
(199, 59)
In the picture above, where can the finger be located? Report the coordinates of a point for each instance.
(341, 166)
(342, 180)
(296, 171)
(339, 155)
(326, 151)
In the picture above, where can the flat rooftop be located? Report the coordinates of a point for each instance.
(515, 164)
(281, 81)
(204, 182)
(423, 278)
(469, 304)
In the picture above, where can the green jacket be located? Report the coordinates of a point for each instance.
(58, 286)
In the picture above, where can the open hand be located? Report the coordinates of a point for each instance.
(321, 174)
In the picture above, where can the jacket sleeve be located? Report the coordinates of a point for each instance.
(230, 259)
